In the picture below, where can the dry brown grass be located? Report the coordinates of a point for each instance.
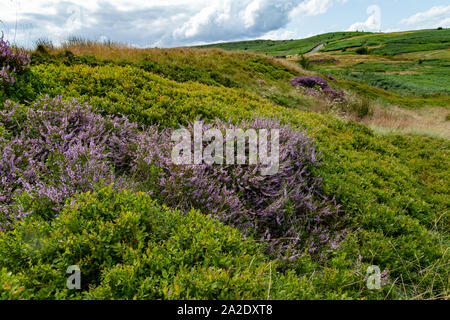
(345, 60)
(434, 54)
(377, 34)
(117, 51)
(430, 121)
(292, 64)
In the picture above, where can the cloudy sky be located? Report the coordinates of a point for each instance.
(156, 23)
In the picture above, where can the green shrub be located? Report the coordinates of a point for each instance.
(362, 50)
(127, 246)
(141, 95)
(304, 62)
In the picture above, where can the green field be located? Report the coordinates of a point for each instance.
(380, 44)
(424, 77)
(284, 47)
(396, 43)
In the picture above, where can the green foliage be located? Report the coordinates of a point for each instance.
(10, 288)
(362, 50)
(21, 90)
(129, 247)
(406, 101)
(262, 76)
(143, 96)
(304, 62)
(394, 189)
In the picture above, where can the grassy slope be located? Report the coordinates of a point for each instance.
(424, 77)
(284, 47)
(262, 76)
(391, 44)
(381, 43)
(394, 188)
(390, 72)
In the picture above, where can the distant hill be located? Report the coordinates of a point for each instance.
(285, 47)
(378, 43)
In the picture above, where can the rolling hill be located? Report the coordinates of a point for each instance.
(381, 43)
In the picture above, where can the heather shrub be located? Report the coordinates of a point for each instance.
(12, 61)
(286, 210)
(309, 82)
(55, 149)
(316, 83)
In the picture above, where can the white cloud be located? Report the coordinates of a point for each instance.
(437, 16)
(154, 22)
(229, 20)
(145, 23)
(373, 22)
(280, 34)
(315, 7)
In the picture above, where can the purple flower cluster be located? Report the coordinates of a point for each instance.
(54, 149)
(11, 62)
(324, 60)
(313, 82)
(286, 210)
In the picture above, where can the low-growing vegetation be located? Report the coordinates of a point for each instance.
(86, 182)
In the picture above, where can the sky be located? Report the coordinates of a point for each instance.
(171, 23)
